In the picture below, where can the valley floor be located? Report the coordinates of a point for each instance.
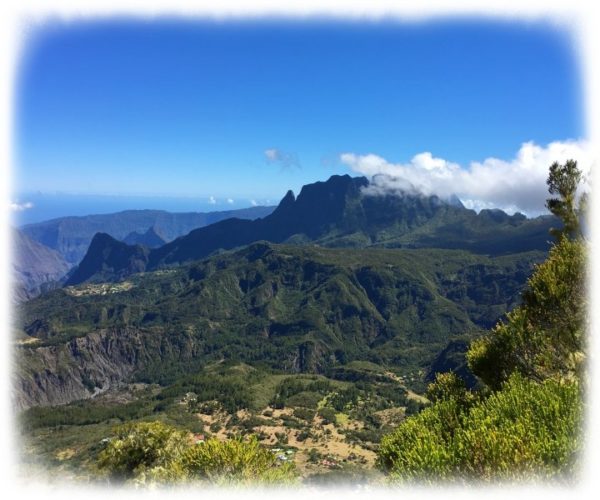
(326, 445)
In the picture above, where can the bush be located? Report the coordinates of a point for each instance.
(413, 407)
(304, 414)
(153, 452)
(526, 429)
(328, 415)
(138, 448)
(446, 386)
(234, 461)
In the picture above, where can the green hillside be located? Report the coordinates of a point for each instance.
(288, 308)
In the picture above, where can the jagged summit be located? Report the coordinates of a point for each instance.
(151, 238)
(455, 201)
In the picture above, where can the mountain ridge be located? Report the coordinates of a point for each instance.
(71, 236)
(336, 213)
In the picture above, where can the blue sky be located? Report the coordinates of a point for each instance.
(182, 108)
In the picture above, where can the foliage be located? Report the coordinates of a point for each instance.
(527, 429)
(298, 392)
(234, 461)
(328, 415)
(231, 392)
(304, 414)
(139, 449)
(448, 386)
(530, 425)
(288, 308)
(545, 335)
(83, 413)
(153, 452)
(563, 180)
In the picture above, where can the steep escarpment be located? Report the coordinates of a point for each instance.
(85, 366)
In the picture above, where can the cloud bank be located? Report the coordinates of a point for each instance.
(19, 207)
(513, 185)
(284, 159)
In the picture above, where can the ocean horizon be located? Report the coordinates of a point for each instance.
(29, 208)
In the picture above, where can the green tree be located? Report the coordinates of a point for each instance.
(545, 336)
(563, 180)
(446, 386)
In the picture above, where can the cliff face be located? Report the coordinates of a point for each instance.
(86, 366)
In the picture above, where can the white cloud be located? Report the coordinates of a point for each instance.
(229, 200)
(282, 158)
(212, 200)
(271, 154)
(19, 207)
(253, 203)
(514, 185)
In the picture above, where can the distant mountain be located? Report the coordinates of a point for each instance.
(35, 267)
(150, 238)
(108, 259)
(71, 236)
(336, 213)
(285, 307)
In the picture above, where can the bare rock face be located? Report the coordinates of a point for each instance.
(85, 366)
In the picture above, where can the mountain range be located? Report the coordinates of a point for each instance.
(45, 251)
(330, 278)
(335, 213)
(151, 238)
(71, 236)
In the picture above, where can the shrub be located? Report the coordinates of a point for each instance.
(328, 415)
(304, 414)
(153, 452)
(234, 461)
(526, 429)
(138, 448)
